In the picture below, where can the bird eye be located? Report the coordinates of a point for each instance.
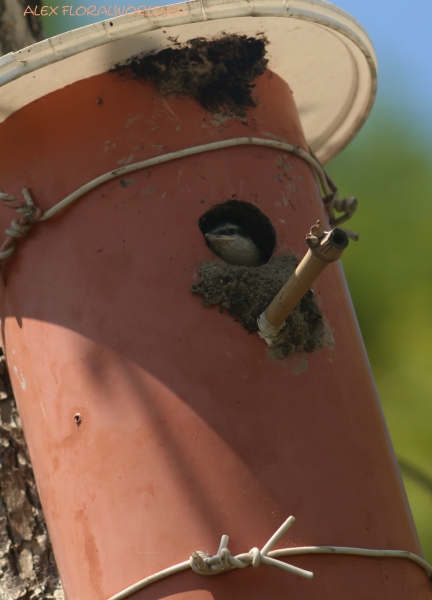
(231, 231)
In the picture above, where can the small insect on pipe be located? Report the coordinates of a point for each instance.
(325, 247)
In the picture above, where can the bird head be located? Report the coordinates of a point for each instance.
(234, 245)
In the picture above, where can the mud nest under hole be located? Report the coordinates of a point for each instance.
(246, 293)
(217, 72)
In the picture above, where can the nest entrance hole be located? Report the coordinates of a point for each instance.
(248, 217)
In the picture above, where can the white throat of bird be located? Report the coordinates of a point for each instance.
(233, 245)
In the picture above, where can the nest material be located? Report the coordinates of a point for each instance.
(217, 72)
(246, 293)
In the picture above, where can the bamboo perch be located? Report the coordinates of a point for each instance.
(325, 247)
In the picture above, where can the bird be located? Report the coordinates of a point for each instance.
(233, 245)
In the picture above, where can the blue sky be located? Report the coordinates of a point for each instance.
(402, 35)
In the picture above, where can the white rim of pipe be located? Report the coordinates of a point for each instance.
(323, 53)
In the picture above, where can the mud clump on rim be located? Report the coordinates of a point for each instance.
(217, 72)
(246, 293)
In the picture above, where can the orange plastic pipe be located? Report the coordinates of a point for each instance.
(154, 424)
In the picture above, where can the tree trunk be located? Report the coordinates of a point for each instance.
(16, 30)
(27, 566)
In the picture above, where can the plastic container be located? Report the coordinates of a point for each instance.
(155, 424)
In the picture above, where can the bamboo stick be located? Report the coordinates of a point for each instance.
(325, 247)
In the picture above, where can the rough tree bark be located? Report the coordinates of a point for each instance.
(17, 30)
(27, 565)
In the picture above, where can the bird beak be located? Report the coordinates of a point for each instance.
(211, 237)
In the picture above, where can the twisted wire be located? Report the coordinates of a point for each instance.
(203, 563)
(32, 213)
(19, 227)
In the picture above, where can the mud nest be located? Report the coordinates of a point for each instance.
(217, 72)
(246, 293)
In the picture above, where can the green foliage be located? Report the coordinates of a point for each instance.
(389, 272)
